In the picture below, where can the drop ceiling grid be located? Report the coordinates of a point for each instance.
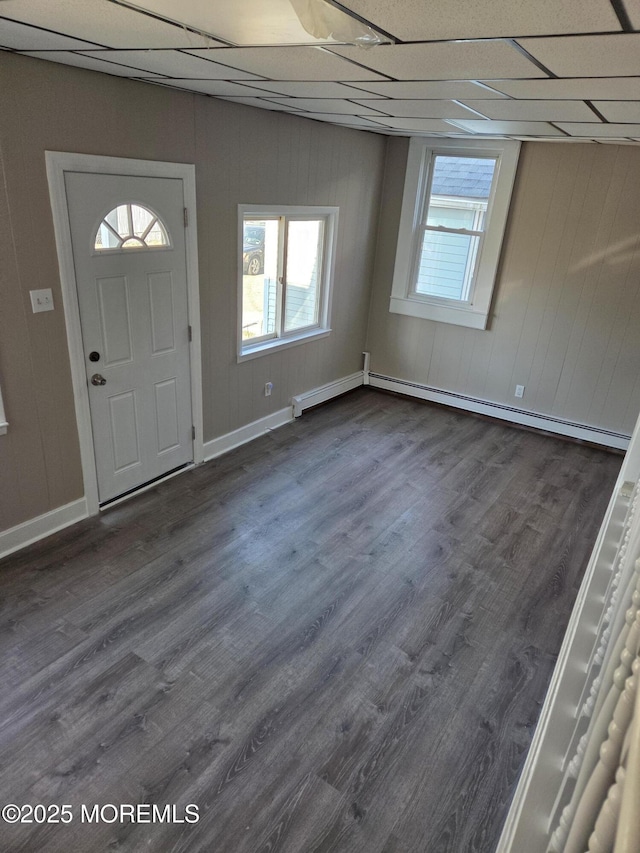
(521, 70)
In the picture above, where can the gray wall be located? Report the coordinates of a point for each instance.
(565, 320)
(242, 155)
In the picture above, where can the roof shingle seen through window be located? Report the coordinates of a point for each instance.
(463, 177)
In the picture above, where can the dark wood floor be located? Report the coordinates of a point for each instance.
(336, 638)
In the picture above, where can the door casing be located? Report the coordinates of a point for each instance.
(57, 164)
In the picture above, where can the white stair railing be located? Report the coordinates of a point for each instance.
(580, 787)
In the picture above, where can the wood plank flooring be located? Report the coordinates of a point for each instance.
(336, 638)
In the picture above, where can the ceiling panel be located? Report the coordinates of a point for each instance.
(173, 63)
(102, 22)
(352, 121)
(329, 105)
(430, 125)
(410, 21)
(291, 63)
(440, 90)
(82, 61)
(217, 88)
(313, 90)
(619, 111)
(558, 139)
(250, 22)
(423, 109)
(471, 60)
(584, 88)
(263, 105)
(587, 56)
(508, 128)
(600, 130)
(24, 37)
(534, 110)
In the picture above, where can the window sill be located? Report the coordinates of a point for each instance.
(266, 347)
(458, 315)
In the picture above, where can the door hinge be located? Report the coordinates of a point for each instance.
(190, 331)
(186, 218)
(193, 433)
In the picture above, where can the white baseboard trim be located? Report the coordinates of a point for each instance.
(505, 413)
(43, 525)
(225, 443)
(326, 392)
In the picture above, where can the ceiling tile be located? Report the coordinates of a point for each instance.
(263, 105)
(217, 88)
(251, 22)
(619, 111)
(423, 109)
(336, 118)
(430, 125)
(313, 90)
(24, 37)
(587, 56)
(82, 61)
(568, 139)
(467, 60)
(583, 88)
(521, 128)
(290, 63)
(329, 105)
(173, 63)
(426, 89)
(409, 20)
(109, 23)
(533, 110)
(600, 129)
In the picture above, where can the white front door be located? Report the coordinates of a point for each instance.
(128, 241)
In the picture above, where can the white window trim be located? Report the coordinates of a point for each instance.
(248, 351)
(475, 312)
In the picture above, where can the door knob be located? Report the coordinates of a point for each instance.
(96, 379)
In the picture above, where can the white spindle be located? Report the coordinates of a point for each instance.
(604, 833)
(603, 775)
(628, 831)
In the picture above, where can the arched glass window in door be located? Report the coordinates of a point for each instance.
(131, 226)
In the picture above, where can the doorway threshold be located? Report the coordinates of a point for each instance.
(150, 484)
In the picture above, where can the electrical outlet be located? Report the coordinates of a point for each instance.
(41, 300)
(519, 390)
(268, 388)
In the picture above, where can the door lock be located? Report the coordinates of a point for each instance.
(96, 379)
(94, 356)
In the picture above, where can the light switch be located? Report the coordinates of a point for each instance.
(41, 300)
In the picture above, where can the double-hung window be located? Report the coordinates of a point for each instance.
(454, 212)
(286, 271)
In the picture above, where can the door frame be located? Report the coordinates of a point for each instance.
(58, 163)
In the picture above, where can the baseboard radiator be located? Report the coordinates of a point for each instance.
(580, 787)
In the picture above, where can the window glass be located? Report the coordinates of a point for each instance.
(285, 264)
(454, 222)
(304, 247)
(259, 277)
(130, 226)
